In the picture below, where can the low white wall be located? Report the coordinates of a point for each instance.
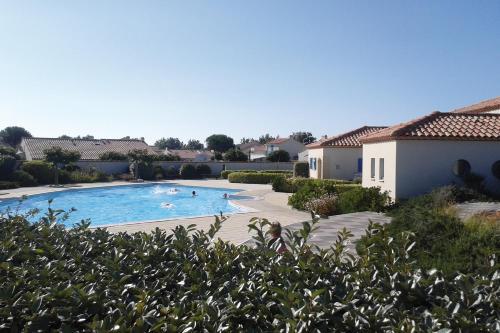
(117, 167)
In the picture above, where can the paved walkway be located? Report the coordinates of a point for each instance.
(468, 209)
(326, 234)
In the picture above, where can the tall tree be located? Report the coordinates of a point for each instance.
(60, 157)
(12, 135)
(170, 143)
(279, 156)
(235, 155)
(219, 142)
(64, 136)
(303, 137)
(246, 140)
(194, 145)
(263, 139)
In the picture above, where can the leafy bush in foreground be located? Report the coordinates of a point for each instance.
(92, 280)
(314, 189)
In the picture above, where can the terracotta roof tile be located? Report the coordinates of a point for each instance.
(439, 126)
(481, 107)
(349, 139)
(186, 154)
(278, 141)
(89, 149)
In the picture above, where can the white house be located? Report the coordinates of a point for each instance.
(338, 157)
(436, 150)
(293, 147)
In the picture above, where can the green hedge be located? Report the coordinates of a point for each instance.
(55, 279)
(301, 169)
(224, 174)
(4, 185)
(314, 190)
(292, 185)
(42, 171)
(253, 177)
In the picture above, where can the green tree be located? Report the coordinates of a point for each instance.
(59, 158)
(246, 140)
(303, 137)
(194, 145)
(12, 135)
(170, 143)
(64, 136)
(263, 139)
(235, 155)
(279, 156)
(219, 142)
(113, 156)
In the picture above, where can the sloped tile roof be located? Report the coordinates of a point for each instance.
(346, 140)
(278, 141)
(186, 154)
(89, 149)
(443, 126)
(481, 107)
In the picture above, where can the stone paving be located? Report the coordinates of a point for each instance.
(466, 210)
(326, 233)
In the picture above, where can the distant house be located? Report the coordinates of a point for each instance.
(338, 157)
(491, 106)
(290, 145)
(439, 149)
(33, 148)
(255, 150)
(191, 155)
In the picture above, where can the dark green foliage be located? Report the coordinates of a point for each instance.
(86, 176)
(165, 157)
(292, 185)
(12, 135)
(172, 172)
(23, 178)
(4, 185)
(73, 280)
(279, 156)
(188, 171)
(146, 170)
(170, 143)
(140, 155)
(235, 155)
(303, 137)
(42, 171)
(8, 151)
(59, 158)
(219, 143)
(218, 156)
(203, 170)
(193, 145)
(361, 199)
(71, 167)
(113, 156)
(158, 172)
(7, 166)
(253, 177)
(441, 240)
(301, 169)
(285, 173)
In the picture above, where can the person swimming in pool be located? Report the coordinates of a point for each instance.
(194, 193)
(166, 205)
(225, 196)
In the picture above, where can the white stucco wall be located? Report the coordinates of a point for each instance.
(425, 164)
(291, 146)
(387, 151)
(337, 163)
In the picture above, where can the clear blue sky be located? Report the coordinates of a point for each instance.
(189, 69)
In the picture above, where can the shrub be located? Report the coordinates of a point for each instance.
(42, 171)
(187, 171)
(361, 199)
(145, 170)
(154, 282)
(325, 205)
(226, 173)
(292, 185)
(235, 155)
(88, 176)
(203, 170)
(113, 156)
(158, 172)
(8, 185)
(252, 177)
(279, 156)
(8, 151)
(301, 169)
(7, 166)
(23, 178)
(71, 167)
(315, 189)
(172, 172)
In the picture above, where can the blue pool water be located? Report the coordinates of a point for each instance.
(131, 203)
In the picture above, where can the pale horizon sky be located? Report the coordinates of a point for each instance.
(190, 69)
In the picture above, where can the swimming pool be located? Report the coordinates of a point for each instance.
(132, 203)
